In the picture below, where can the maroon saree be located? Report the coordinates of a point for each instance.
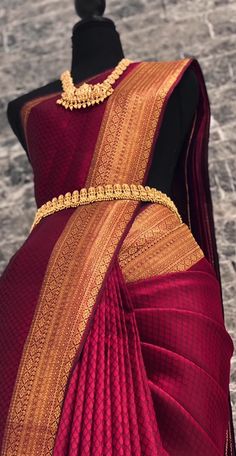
(113, 339)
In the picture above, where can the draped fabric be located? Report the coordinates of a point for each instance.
(113, 339)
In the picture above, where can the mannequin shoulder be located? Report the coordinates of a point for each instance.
(15, 106)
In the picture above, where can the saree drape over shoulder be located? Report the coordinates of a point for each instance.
(113, 339)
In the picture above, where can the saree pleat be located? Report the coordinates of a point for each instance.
(174, 328)
(185, 352)
(113, 413)
(183, 435)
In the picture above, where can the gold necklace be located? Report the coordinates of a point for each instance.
(89, 94)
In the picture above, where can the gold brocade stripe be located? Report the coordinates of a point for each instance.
(157, 243)
(81, 257)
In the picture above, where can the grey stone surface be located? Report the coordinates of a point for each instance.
(35, 48)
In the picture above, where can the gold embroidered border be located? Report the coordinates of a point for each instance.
(24, 115)
(127, 131)
(80, 259)
(157, 243)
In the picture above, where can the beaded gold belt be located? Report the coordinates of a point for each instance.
(104, 193)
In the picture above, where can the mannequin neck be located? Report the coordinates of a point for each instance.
(96, 47)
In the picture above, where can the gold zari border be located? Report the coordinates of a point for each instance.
(157, 243)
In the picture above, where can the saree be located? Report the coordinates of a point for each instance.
(113, 339)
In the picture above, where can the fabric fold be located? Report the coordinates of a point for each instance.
(182, 434)
(192, 387)
(187, 358)
(113, 413)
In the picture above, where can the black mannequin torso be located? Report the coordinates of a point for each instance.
(96, 47)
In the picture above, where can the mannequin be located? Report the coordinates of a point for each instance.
(96, 47)
(132, 265)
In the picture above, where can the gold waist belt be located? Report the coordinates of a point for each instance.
(104, 193)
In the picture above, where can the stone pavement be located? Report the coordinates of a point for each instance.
(35, 48)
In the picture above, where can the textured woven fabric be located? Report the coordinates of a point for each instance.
(94, 362)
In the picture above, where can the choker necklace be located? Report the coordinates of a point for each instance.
(88, 94)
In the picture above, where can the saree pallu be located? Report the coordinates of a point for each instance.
(113, 333)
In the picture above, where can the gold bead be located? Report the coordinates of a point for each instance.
(117, 189)
(67, 198)
(91, 193)
(75, 196)
(125, 187)
(100, 192)
(60, 200)
(134, 190)
(83, 194)
(108, 189)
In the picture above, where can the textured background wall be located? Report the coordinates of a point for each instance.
(35, 48)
